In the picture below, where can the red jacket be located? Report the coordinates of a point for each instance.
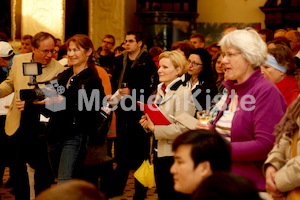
(289, 89)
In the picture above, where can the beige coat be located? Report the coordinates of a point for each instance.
(16, 81)
(287, 176)
(173, 103)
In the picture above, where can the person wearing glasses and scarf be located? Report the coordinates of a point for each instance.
(199, 78)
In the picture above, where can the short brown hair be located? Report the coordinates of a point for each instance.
(37, 38)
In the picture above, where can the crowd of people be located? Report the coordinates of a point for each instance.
(77, 117)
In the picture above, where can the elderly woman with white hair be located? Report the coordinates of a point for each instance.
(280, 68)
(248, 116)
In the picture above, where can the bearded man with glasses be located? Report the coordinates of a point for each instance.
(22, 121)
(105, 54)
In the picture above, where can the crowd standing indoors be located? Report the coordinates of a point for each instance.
(246, 80)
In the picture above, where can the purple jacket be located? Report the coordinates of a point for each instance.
(252, 131)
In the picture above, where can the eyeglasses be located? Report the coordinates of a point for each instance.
(107, 42)
(194, 63)
(230, 55)
(53, 51)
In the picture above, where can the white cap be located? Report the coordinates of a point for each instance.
(5, 49)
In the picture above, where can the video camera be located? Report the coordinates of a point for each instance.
(32, 69)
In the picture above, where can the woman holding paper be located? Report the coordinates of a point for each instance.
(173, 99)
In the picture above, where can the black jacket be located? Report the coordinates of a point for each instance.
(72, 120)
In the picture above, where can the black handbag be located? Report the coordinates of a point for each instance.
(99, 136)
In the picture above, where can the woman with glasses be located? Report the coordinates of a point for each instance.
(199, 78)
(252, 106)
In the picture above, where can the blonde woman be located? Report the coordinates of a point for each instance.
(173, 99)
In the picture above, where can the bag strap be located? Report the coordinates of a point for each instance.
(294, 143)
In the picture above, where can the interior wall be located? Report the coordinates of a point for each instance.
(231, 11)
(116, 17)
(43, 16)
(106, 17)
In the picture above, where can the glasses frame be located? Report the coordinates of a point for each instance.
(53, 51)
(108, 42)
(230, 54)
(194, 64)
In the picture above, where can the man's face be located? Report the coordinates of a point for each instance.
(25, 46)
(107, 44)
(197, 42)
(4, 62)
(186, 176)
(131, 45)
(44, 53)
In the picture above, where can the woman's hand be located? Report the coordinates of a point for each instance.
(20, 104)
(124, 91)
(271, 185)
(146, 123)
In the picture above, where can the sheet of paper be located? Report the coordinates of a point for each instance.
(43, 118)
(186, 120)
(115, 99)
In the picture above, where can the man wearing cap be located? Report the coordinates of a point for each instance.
(6, 54)
(22, 120)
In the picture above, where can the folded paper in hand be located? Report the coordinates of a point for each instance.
(115, 99)
(155, 114)
(186, 120)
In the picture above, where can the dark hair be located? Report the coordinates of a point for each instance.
(206, 146)
(119, 48)
(62, 51)
(37, 38)
(26, 37)
(86, 43)
(226, 186)
(280, 40)
(268, 33)
(155, 51)
(198, 35)
(72, 189)
(110, 36)
(185, 46)
(138, 35)
(3, 37)
(206, 74)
